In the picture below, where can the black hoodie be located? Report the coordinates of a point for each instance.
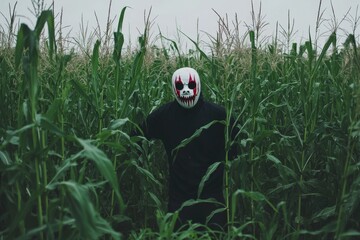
(172, 123)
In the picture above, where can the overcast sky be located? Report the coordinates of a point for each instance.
(193, 16)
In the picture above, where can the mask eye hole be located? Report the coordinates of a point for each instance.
(179, 85)
(192, 85)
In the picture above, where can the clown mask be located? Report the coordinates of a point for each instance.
(186, 86)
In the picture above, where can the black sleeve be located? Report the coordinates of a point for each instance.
(152, 126)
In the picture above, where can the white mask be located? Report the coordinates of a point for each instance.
(186, 86)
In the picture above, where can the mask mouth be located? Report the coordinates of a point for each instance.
(188, 100)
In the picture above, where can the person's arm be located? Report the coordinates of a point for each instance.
(151, 126)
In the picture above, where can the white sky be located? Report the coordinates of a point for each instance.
(170, 15)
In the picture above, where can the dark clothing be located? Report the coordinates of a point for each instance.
(172, 123)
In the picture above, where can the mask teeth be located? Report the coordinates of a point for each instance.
(188, 101)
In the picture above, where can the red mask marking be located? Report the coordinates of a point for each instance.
(178, 80)
(193, 80)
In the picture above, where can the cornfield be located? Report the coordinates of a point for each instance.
(70, 169)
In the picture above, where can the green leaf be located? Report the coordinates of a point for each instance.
(176, 48)
(202, 53)
(192, 202)
(121, 19)
(145, 172)
(12, 136)
(213, 213)
(273, 158)
(23, 32)
(95, 78)
(256, 196)
(89, 222)
(118, 123)
(209, 171)
(61, 171)
(350, 233)
(325, 212)
(195, 135)
(331, 40)
(103, 164)
(54, 108)
(5, 159)
(46, 17)
(47, 124)
(82, 91)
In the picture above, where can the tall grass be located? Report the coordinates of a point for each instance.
(70, 168)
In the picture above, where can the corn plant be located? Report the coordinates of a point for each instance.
(70, 167)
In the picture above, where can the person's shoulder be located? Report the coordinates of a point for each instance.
(215, 109)
(162, 109)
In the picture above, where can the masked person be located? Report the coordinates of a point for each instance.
(179, 120)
